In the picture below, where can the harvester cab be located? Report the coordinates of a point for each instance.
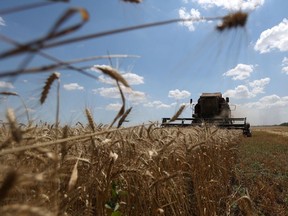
(211, 108)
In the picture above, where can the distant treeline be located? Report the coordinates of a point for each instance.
(284, 124)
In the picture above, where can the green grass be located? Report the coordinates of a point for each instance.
(263, 171)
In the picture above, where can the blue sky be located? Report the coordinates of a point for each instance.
(167, 65)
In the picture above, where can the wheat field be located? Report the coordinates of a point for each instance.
(143, 170)
(89, 168)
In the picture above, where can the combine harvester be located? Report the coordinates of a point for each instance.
(211, 108)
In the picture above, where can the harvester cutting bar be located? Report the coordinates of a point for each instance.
(193, 121)
(229, 123)
(178, 122)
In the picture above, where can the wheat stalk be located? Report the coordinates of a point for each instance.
(122, 109)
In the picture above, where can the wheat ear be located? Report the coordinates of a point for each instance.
(15, 131)
(47, 86)
(124, 116)
(178, 113)
(113, 73)
(90, 119)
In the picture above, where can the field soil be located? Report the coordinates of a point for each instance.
(263, 170)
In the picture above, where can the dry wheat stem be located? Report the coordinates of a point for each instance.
(29, 48)
(56, 31)
(127, 29)
(62, 64)
(122, 109)
(45, 55)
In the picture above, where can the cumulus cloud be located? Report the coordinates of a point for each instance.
(4, 84)
(240, 72)
(114, 106)
(268, 110)
(239, 92)
(243, 91)
(136, 97)
(158, 105)
(270, 101)
(285, 65)
(231, 5)
(131, 78)
(274, 38)
(177, 94)
(192, 14)
(259, 85)
(73, 86)
(2, 22)
(113, 92)
(107, 92)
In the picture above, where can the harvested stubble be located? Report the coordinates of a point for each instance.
(142, 170)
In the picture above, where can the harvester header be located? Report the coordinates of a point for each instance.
(211, 108)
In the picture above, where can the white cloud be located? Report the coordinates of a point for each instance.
(239, 92)
(243, 91)
(240, 72)
(274, 38)
(193, 15)
(2, 22)
(136, 97)
(268, 110)
(73, 86)
(4, 84)
(259, 85)
(114, 106)
(113, 92)
(133, 79)
(285, 65)
(177, 94)
(231, 5)
(270, 101)
(158, 105)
